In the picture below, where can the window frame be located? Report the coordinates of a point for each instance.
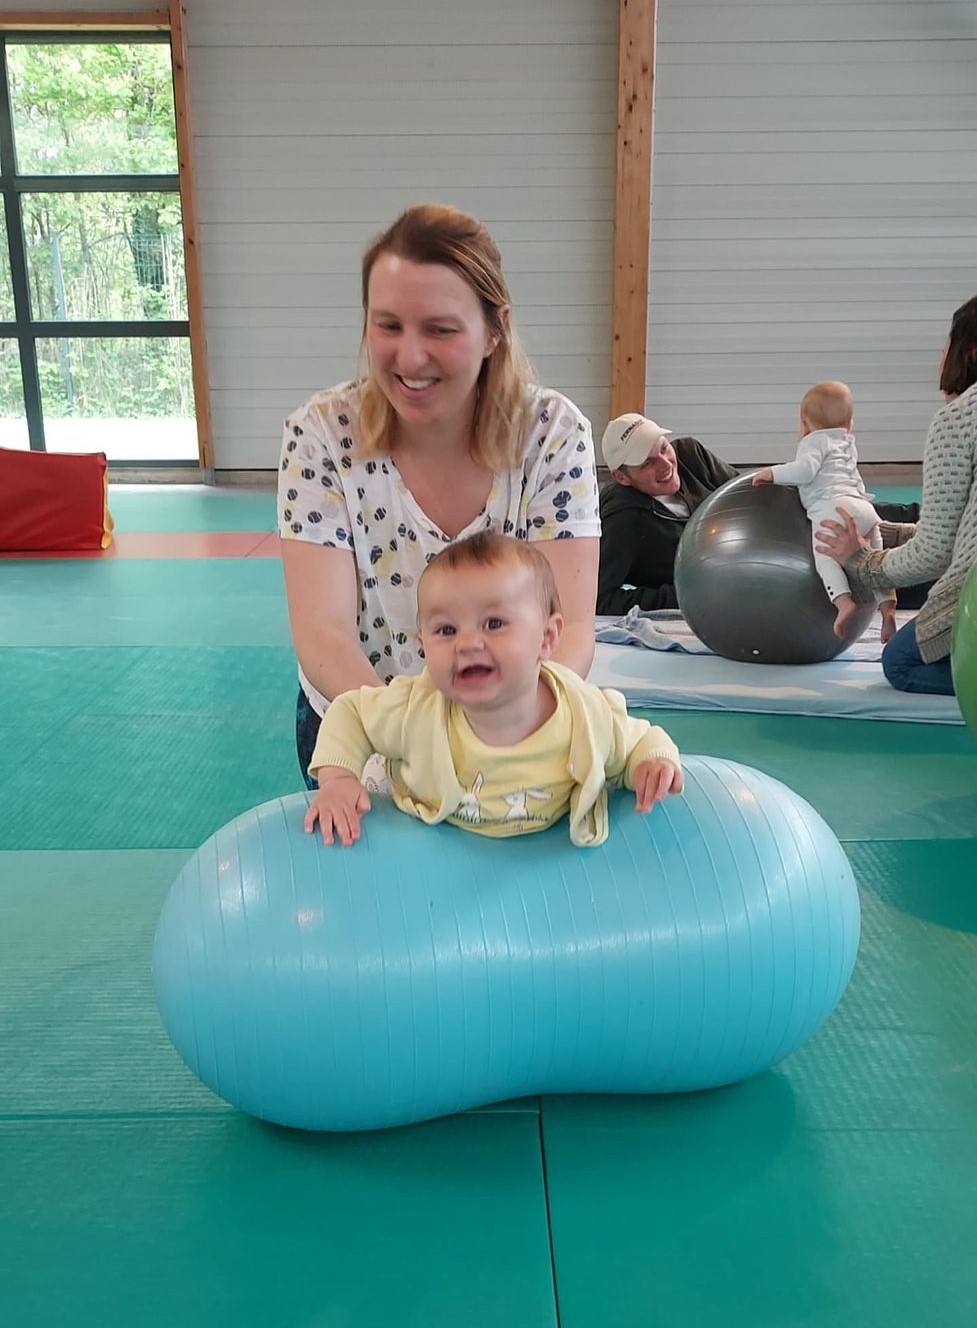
(164, 26)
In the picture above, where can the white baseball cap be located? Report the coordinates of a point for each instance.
(630, 440)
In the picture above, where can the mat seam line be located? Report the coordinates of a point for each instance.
(549, 1217)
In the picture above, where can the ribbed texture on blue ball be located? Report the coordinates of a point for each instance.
(427, 970)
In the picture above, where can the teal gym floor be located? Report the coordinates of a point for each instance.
(144, 702)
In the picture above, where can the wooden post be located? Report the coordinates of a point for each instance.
(195, 300)
(632, 204)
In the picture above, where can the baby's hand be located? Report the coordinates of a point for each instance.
(763, 476)
(654, 780)
(338, 806)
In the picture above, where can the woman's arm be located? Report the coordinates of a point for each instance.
(321, 589)
(947, 481)
(574, 564)
(895, 533)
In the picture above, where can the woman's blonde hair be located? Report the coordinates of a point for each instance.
(434, 233)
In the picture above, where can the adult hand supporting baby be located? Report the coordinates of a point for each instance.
(840, 539)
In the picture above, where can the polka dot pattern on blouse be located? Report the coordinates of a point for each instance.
(328, 495)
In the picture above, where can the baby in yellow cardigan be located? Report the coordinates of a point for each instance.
(492, 736)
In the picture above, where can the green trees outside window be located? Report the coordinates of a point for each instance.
(100, 241)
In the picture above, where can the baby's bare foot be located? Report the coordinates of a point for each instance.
(888, 629)
(845, 607)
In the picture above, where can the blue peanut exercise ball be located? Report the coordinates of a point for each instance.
(963, 651)
(427, 970)
(746, 583)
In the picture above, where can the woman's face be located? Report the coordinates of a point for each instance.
(427, 338)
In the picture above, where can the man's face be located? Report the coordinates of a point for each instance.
(658, 477)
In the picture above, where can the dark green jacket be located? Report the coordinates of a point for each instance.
(639, 536)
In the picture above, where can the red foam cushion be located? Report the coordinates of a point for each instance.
(53, 500)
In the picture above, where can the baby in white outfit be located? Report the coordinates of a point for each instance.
(825, 471)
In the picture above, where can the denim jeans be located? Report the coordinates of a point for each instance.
(306, 731)
(904, 668)
(307, 722)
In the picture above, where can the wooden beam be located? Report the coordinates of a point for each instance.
(632, 204)
(101, 20)
(191, 251)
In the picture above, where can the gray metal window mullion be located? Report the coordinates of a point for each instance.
(98, 184)
(18, 267)
(12, 186)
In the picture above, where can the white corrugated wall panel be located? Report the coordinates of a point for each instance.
(814, 214)
(316, 123)
(814, 204)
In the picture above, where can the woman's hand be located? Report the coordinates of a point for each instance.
(840, 539)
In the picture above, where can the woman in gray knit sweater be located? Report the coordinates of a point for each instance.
(942, 546)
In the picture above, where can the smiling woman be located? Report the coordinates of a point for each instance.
(445, 434)
(942, 544)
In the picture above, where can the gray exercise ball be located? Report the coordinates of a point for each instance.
(746, 581)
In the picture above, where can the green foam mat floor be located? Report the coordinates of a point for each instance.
(191, 508)
(79, 1032)
(222, 1222)
(81, 1035)
(897, 493)
(178, 740)
(222, 602)
(173, 783)
(132, 1195)
(934, 881)
(142, 705)
(834, 1190)
(827, 1228)
(44, 684)
(142, 748)
(869, 779)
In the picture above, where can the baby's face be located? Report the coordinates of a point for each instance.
(484, 632)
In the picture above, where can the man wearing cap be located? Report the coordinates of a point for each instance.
(657, 484)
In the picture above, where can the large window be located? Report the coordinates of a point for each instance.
(94, 328)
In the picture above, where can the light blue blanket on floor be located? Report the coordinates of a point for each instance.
(649, 657)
